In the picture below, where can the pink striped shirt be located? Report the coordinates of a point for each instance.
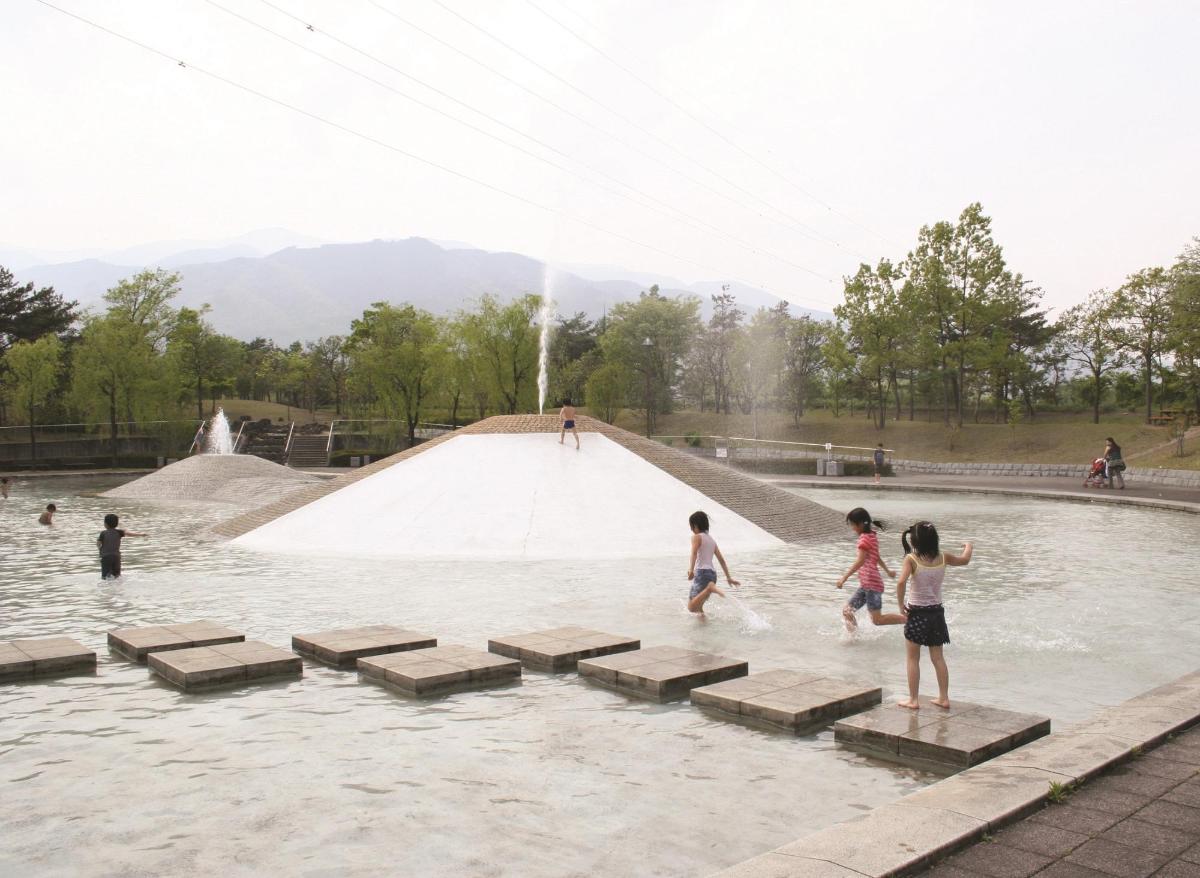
(868, 574)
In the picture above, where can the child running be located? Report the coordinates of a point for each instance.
(110, 547)
(567, 415)
(926, 625)
(700, 567)
(870, 583)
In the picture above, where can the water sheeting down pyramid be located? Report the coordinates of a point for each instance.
(509, 495)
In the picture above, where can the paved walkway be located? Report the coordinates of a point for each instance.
(1139, 819)
(1001, 484)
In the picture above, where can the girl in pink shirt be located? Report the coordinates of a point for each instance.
(870, 583)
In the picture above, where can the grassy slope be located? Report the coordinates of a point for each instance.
(235, 408)
(1056, 438)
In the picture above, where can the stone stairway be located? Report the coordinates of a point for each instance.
(267, 444)
(309, 450)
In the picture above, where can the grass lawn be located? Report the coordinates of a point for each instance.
(1049, 438)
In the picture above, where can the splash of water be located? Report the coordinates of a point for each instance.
(751, 620)
(219, 439)
(544, 317)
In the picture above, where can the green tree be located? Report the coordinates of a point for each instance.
(144, 301)
(758, 361)
(28, 314)
(803, 361)
(649, 338)
(1088, 334)
(201, 356)
(34, 368)
(109, 363)
(871, 315)
(505, 340)
(718, 339)
(1183, 332)
(401, 347)
(607, 388)
(839, 364)
(1143, 313)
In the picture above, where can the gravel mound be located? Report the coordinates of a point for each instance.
(240, 479)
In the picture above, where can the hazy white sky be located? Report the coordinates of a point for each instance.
(1074, 123)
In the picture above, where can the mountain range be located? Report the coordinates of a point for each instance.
(303, 292)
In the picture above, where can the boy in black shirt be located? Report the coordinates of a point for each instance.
(109, 542)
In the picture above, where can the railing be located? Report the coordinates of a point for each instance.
(422, 425)
(101, 425)
(287, 446)
(827, 447)
(237, 440)
(196, 438)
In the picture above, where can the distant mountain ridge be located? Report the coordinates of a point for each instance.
(303, 293)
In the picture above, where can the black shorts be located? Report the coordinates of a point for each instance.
(110, 566)
(926, 626)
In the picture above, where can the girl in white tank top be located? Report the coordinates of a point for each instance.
(925, 567)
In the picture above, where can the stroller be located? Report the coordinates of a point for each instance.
(1096, 477)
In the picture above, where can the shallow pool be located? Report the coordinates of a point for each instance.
(1067, 607)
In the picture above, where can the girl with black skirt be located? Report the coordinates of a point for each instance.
(926, 566)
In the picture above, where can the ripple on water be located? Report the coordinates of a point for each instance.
(283, 776)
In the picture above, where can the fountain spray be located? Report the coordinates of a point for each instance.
(545, 315)
(219, 440)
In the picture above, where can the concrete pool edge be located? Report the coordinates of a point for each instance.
(923, 827)
(1033, 493)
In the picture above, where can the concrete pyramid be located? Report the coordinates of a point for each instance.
(506, 488)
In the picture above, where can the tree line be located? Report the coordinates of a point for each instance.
(949, 331)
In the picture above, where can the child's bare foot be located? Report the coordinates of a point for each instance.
(943, 703)
(850, 619)
(911, 705)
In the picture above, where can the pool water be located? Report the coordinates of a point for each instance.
(1066, 608)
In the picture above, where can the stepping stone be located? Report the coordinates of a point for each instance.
(23, 659)
(661, 673)
(137, 643)
(201, 667)
(342, 647)
(795, 700)
(442, 669)
(560, 649)
(962, 736)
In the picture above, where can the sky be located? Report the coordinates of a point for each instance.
(778, 144)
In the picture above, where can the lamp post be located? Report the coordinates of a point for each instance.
(648, 349)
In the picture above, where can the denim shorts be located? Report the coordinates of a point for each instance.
(701, 580)
(873, 599)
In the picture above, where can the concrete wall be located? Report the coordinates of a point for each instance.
(63, 449)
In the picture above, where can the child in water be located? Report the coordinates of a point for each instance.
(925, 565)
(870, 583)
(700, 567)
(47, 517)
(109, 542)
(567, 415)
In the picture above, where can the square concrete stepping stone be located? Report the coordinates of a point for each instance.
(794, 700)
(137, 643)
(223, 664)
(342, 647)
(23, 659)
(442, 669)
(962, 736)
(560, 649)
(661, 673)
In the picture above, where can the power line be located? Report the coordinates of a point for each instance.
(179, 62)
(707, 127)
(788, 219)
(665, 209)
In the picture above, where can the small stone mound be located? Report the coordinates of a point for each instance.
(240, 479)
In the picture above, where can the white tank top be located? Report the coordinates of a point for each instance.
(926, 582)
(704, 554)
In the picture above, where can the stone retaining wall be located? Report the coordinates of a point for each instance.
(1172, 477)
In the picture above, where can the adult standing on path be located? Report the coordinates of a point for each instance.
(1114, 464)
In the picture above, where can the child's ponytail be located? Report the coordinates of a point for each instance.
(904, 540)
(861, 517)
(924, 540)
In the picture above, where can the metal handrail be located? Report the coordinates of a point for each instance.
(95, 424)
(237, 440)
(827, 446)
(196, 438)
(329, 441)
(287, 446)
